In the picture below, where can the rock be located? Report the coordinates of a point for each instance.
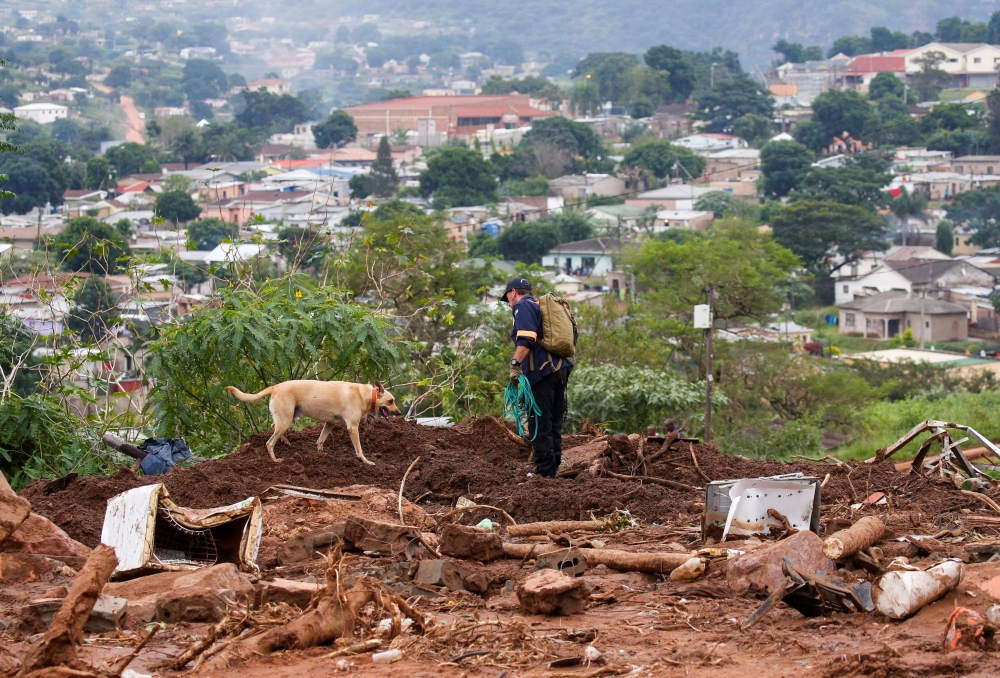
(107, 615)
(305, 546)
(41, 536)
(476, 583)
(441, 573)
(57, 592)
(474, 543)
(144, 594)
(552, 592)
(295, 593)
(370, 535)
(13, 511)
(762, 566)
(570, 561)
(26, 567)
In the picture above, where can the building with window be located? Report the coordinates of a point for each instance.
(887, 315)
(41, 112)
(586, 258)
(972, 64)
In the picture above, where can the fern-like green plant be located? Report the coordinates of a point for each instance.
(287, 329)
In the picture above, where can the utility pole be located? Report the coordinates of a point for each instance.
(708, 364)
(923, 323)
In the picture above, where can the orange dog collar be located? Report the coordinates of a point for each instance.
(374, 398)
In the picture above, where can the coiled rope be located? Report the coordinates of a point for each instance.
(518, 401)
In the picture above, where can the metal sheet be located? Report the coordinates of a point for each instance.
(128, 526)
(718, 504)
(751, 499)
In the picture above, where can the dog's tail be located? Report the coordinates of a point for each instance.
(250, 397)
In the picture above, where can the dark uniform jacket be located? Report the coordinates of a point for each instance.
(527, 331)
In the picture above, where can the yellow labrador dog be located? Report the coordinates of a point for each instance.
(324, 401)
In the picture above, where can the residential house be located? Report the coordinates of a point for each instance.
(566, 284)
(674, 197)
(968, 64)
(270, 85)
(933, 278)
(582, 186)
(585, 258)
(809, 78)
(957, 364)
(710, 142)
(461, 223)
(694, 219)
(432, 115)
(42, 113)
(943, 186)
(673, 120)
(626, 217)
(24, 238)
(76, 202)
(732, 164)
(864, 67)
(889, 314)
(976, 164)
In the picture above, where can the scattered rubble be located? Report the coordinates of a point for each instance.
(640, 540)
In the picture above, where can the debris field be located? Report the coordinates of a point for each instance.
(605, 570)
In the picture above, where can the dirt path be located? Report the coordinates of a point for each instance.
(134, 125)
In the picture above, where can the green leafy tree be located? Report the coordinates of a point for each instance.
(583, 148)
(272, 112)
(730, 100)
(944, 237)
(361, 186)
(993, 29)
(229, 141)
(124, 226)
(791, 51)
(118, 77)
(89, 245)
(993, 120)
(151, 167)
(834, 113)
(528, 242)
(98, 174)
(609, 71)
(884, 40)
(129, 157)
(929, 82)
(188, 144)
(94, 310)
(908, 204)
(177, 206)
(383, 177)
(677, 64)
(206, 234)
(663, 159)
(458, 177)
(573, 226)
(203, 79)
(979, 212)
(716, 202)
(287, 329)
(300, 246)
(336, 130)
(753, 127)
(849, 185)
(628, 398)
(817, 230)
(850, 45)
(483, 244)
(885, 84)
(784, 165)
(35, 177)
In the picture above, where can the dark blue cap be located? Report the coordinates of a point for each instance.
(516, 284)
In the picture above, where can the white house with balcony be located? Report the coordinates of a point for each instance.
(41, 112)
(972, 64)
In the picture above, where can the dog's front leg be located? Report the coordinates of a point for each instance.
(356, 439)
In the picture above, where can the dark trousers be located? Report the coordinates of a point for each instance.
(550, 396)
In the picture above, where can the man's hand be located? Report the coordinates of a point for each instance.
(515, 374)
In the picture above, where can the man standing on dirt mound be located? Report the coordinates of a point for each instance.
(546, 373)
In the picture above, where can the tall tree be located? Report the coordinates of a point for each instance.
(730, 100)
(384, 181)
(851, 184)
(979, 212)
(336, 130)
(819, 230)
(664, 159)
(944, 237)
(177, 206)
(784, 164)
(86, 244)
(682, 77)
(458, 177)
(929, 82)
(93, 311)
(885, 84)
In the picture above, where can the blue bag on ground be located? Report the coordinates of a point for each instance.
(162, 454)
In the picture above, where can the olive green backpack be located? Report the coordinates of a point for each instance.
(558, 326)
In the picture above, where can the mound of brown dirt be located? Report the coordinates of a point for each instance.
(479, 461)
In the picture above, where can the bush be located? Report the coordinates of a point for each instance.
(777, 439)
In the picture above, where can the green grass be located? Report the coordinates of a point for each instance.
(885, 422)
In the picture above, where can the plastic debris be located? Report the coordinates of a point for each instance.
(486, 524)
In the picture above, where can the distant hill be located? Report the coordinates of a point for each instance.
(747, 26)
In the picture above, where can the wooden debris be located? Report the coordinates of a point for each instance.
(983, 498)
(402, 484)
(650, 563)
(866, 532)
(649, 479)
(58, 646)
(694, 460)
(536, 529)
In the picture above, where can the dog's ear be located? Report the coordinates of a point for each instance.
(380, 387)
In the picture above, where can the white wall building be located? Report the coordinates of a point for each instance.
(41, 112)
(968, 64)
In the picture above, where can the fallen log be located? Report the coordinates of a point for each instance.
(535, 529)
(58, 646)
(983, 498)
(650, 563)
(649, 479)
(116, 443)
(866, 532)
